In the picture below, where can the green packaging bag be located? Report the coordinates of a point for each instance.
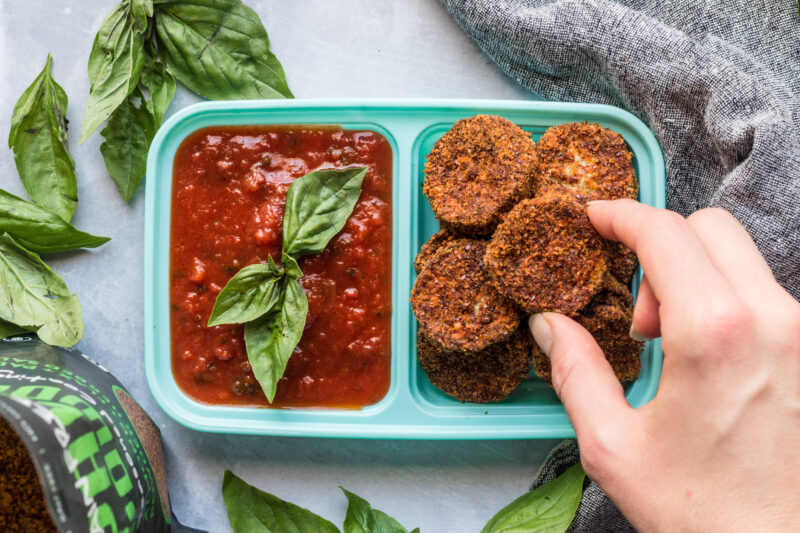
(98, 455)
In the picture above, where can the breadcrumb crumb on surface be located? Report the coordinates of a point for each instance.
(456, 304)
(587, 159)
(477, 171)
(547, 256)
(489, 375)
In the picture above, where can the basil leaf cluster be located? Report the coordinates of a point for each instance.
(251, 510)
(550, 508)
(217, 48)
(33, 298)
(268, 298)
(38, 139)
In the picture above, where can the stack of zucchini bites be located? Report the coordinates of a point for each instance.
(516, 241)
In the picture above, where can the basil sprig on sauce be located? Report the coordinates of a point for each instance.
(268, 299)
(217, 48)
(254, 511)
(38, 139)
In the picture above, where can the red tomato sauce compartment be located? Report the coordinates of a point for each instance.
(228, 194)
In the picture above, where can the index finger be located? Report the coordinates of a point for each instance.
(678, 267)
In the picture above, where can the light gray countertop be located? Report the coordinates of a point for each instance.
(364, 49)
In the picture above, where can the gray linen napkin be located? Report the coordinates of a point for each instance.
(717, 81)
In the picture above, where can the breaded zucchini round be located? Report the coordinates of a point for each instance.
(455, 303)
(622, 262)
(612, 292)
(610, 326)
(477, 171)
(430, 248)
(547, 256)
(489, 375)
(591, 161)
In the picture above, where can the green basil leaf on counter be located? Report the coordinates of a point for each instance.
(219, 49)
(8, 329)
(271, 339)
(127, 137)
(38, 139)
(34, 297)
(254, 511)
(248, 295)
(291, 267)
(115, 64)
(40, 230)
(161, 85)
(362, 518)
(317, 208)
(142, 11)
(549, 508)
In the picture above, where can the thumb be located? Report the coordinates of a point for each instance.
(582, 378)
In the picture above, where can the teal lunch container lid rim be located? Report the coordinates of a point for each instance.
(412, 408)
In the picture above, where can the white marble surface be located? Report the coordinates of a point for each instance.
(365, 49)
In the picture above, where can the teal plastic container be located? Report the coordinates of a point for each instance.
(412, 408)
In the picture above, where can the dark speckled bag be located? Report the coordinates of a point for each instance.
(98, 456)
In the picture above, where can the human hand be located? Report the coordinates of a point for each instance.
(718, 448)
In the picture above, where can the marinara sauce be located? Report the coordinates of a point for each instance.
(228, 195)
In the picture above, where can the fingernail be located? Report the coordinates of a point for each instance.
(635, 335)
(542, 333)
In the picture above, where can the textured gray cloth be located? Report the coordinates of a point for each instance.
(717, 81)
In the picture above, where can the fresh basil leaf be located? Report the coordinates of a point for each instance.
(317, 208)
(115, 64)
(39, 140)
(142, 10)
(7, 329)
(291, 267)
(362, 518)
(548, 509)
(254, 511)
(271, 339)
(40, 230)
(36, 298)
(161, 86)
(127, 137)
(219, 49)
(248, 295)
